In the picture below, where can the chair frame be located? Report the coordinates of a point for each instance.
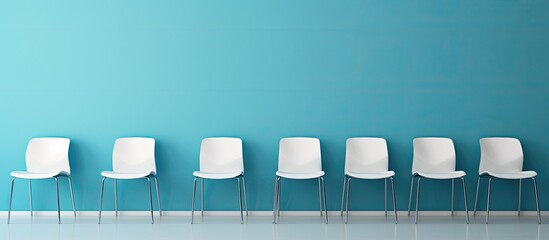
(148, 178)
(416, 175)
(56, 178)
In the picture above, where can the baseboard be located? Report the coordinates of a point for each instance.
(269, 213)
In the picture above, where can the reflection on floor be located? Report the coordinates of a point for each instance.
(261, 227)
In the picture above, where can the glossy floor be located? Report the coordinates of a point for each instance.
(261, 227)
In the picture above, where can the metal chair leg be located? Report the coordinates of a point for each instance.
(240, 200)
(245, 194)
(325, 206)
(465, 199)
(30, 197)
(192, 202)
(453, 190)
(488, 200)
(11, 197)
(202, 196)
(72, 195)
(58, 205)
(394, 200)
(537, 199)
(519, 196)
(476, 197)
(279, 193)
(150, 199)
(385, 183)
(101, 198)
(343, 195)
(115, 197)
(274, 200)
(411, 191)
(320, 196)
(347, 200)
(417, 199)
(158, 195)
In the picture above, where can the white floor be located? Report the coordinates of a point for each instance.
(261, 227)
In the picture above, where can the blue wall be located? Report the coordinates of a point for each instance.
(180, 71)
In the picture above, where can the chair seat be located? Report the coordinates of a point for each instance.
(448, 175)
(32, 175)
(514, 175)
(208, 175)
(119, 175)
(310, 175)
(377, 175)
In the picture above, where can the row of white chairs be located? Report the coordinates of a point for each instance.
(299, 158)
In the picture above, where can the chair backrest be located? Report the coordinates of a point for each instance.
(500, 155)
(366, 155)
(48, 154)
(434, 155)
(134, 155)
(299, 155)
(221, 155)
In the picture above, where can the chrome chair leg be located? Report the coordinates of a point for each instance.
(72, 195)
(279, 193)
(343, 194)
(115, 197)
(417, 199)
(453, 190)
(537, 199)
(192, 202)
(150, 199)
(30, 196)
(488, 200)
(394, 200)
(101, 198)
(325, 206)
(465, 199)
(240, 200)
(58, 205)
(202, 196)
(245, 194)
(519, 196)
(347, 200)
(158, 195)
(411, 191)
(320, 196)
(385, 183)
(11, 197)
(476, 197)
(274, 201)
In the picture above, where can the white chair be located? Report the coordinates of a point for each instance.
(502, 158)
(435, 158)
(299, 158)
(366, 158)
(46, 158)
(220, 158)
(132, 158)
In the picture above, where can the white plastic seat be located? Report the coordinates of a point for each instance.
(371, 176)
(310, 175)
(216, 175)
(46, 158)
(119, 175)
(435, 158)
(132, 158)
(515, 176)
(221, 158)
(366, 158)
(299, 158)
(448, 175)
(32, 175)
(502, 157)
